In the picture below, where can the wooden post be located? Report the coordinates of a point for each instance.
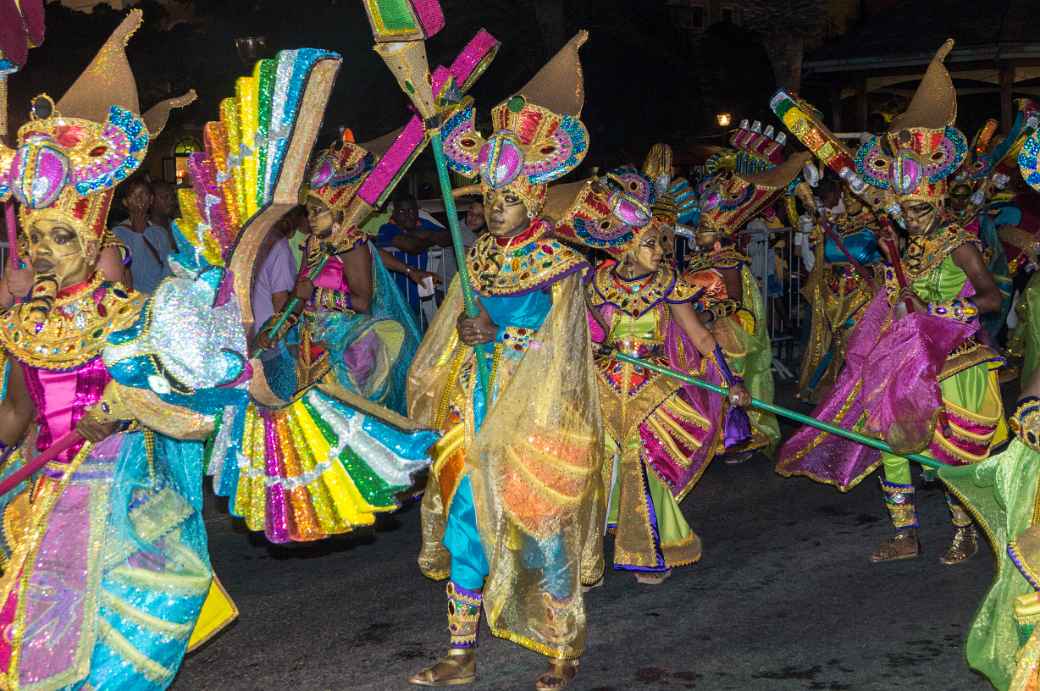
(861, 104)
(1007, 83)
(836, 108)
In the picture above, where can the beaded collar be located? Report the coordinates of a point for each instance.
(637, 296)
(77, 327)
(522, 264)
(924, 253)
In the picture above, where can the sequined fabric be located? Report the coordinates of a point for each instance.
(1001, 495)
(536, 487)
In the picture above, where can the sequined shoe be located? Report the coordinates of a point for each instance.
(559, 675)
(655, 578)
(964, 546)
(902, 545)
(456, 668)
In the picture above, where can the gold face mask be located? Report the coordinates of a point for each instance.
(505, 213)
(647, 255)
(921, 217)
(319, 217)
(55, 249)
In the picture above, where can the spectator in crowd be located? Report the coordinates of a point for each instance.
(407, 232)
(278, 268)
(147, 243)
(165, 208)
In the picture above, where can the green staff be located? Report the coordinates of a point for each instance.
(783, 412)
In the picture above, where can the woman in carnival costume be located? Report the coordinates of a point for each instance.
(661, 434)
(355, 324)
(513, 505)
(313, 453)
(837, 291)
(1003, 642)
(921, 381)
(106, 566)
(731, 303)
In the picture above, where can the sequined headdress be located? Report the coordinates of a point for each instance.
(537, 137)
(921, 149)
(730, 200)
(71, 155)
(338, 172)
(609, 213)
(675, 201)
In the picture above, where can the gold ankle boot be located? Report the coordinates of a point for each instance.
(964, 546)
(902, 545)
(459, 666)
(559, 675)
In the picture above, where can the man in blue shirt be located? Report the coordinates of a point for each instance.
(147, 243)
(409, 233)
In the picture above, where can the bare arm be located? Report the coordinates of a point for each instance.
(394, 264)
(411, 243)
(110, 264)
(17, 408)
(734, 284)
(278, 300)
(686, 317)
(357, 271)
(987, 295)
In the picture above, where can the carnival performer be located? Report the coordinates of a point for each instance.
(106, 566)
(512, 511)
(921, 381)
(731, 304)
(837, 290)
(660, 434)
(1003, 642)
(355, 322)
(312, 453)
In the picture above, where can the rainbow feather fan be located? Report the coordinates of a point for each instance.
(253, 164)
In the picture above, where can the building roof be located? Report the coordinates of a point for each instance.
(909, 32)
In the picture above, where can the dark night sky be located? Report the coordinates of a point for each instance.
(642, 84)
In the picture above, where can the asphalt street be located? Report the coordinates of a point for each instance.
(783, 598)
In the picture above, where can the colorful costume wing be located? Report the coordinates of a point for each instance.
(253, 165)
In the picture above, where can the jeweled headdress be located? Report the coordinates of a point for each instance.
(730, 200)
(676, 201)
(921, 149)
(71, 155)
(338, 172)
(537, 137)
(610, 213)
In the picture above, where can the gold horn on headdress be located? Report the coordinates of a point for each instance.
(108, 80)
(560, 85)
(934, 105)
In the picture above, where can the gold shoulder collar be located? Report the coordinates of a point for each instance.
(76, 329)
(637, 296)
(535, 263)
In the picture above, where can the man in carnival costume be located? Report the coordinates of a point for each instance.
(921, 381)
(106, 566)
(731, 303)
(512, 507)
(661, 434)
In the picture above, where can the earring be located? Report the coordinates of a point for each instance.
(530, 215)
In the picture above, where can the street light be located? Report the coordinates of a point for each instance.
(723, 119)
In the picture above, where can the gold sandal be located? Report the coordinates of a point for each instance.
(457, 668)
(902, 545)
(558, 676)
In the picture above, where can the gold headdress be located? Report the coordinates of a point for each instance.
(537, 137)
(70, 156)
(921, 149)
